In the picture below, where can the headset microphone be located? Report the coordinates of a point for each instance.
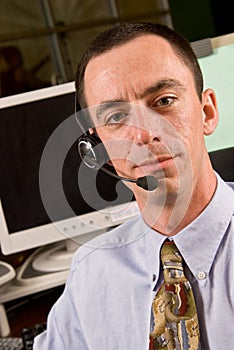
(93, 153)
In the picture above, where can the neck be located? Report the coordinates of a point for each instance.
(170, 215)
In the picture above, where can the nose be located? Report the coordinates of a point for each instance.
(143, 127)
(142, 136)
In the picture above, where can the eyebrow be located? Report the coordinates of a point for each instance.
(105, 105)
(161, 84)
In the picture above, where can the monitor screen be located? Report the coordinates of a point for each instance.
(27, 122)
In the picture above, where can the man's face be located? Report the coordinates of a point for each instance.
(147, 111)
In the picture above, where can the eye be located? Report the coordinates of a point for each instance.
(164, 101)
(116, 117)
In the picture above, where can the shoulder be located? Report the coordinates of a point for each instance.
(231, 190)
(112, 242)
(225, 190)
(112, 259)
(231, 185)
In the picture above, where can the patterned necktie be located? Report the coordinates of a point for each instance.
(175, 316)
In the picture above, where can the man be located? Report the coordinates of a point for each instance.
(143, 88)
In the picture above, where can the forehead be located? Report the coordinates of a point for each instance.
(130, 67)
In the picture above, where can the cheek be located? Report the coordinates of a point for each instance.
(189, 127)
(191, 134)
(117, 148)
(121, 167)
(118, 144)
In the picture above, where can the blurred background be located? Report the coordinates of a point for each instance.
(41, 41)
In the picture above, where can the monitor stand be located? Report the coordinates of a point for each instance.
(29, 280)
(46, 268)
(7, 272)
(51, 261)
(47, 264)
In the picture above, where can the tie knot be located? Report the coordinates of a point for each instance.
(169, 247)
(172, 263)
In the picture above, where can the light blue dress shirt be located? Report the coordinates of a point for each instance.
(106, 304)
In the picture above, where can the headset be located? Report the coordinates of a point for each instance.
(92, 151)
(90, 147)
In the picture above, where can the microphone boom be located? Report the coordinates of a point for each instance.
(148, 183)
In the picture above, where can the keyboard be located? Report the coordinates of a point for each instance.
(25, 342)
(11, 343)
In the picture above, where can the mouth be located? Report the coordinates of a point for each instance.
(155, 165)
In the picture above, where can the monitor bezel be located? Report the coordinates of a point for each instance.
(86, 224)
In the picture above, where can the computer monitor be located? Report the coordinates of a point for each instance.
(27, 122)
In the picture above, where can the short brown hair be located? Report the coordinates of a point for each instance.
(125, 32)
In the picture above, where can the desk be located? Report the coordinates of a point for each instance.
(28, 311)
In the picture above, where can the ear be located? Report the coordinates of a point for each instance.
(210, 112)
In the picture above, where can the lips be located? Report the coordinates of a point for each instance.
(159, 163)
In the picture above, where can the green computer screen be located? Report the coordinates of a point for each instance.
(218, 70)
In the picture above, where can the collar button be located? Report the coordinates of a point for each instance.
(201, 275)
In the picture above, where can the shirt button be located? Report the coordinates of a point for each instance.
(201, 275)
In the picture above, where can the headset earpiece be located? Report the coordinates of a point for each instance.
(90, 146)
(92, 151)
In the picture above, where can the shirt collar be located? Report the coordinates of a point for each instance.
(199, 241)
(153, 243)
